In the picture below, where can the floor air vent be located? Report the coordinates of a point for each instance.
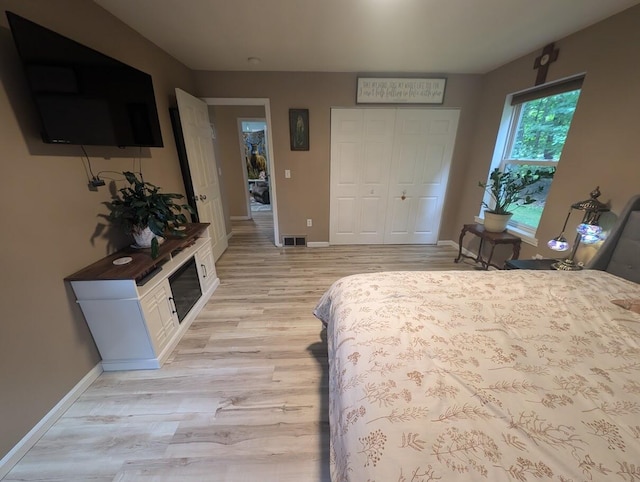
(294, 240)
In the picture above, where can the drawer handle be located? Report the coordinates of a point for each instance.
(172, 305)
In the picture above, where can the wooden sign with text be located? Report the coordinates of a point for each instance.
(400, 91)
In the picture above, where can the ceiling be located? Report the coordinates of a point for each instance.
(435, 36)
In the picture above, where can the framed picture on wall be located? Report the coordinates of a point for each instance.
(299, 129)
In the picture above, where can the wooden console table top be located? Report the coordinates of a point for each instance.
(141, 263)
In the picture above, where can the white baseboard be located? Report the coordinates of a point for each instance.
(239, 218)
(326, 244)
(447, 242)
(22, 447)
(318, 244)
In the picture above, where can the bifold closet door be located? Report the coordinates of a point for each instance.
(422, 151)
(389, 171)
(361, 148)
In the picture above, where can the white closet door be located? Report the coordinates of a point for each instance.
(361, 147)
(389, 172)
(423, 147)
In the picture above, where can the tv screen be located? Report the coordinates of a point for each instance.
(82, 96)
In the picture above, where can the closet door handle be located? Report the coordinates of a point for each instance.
(204, 271)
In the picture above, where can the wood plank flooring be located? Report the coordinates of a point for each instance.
(243, 396)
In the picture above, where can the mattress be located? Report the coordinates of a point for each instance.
(500, 376)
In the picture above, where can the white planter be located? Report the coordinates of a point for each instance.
(144, 237)
(496, 223)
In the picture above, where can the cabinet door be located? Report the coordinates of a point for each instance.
(206, 267)
(160, 315)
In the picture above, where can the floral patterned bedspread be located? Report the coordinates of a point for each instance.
(498, 376)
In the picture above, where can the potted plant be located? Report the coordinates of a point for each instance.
(509, 190)
(142, 210)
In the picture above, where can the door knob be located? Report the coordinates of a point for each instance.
(404, 195)
(203, 197)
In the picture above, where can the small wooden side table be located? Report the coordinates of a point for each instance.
(491, 238)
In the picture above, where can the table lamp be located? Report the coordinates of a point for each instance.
(588, 232)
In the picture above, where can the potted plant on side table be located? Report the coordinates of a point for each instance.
(509, 190)
(142, 210)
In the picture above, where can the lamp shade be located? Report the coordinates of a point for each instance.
(559, 243)
(589, 233)
(590, 238)
(589, 229)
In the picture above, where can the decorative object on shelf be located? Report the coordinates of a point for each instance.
(142, 210)
(123, 260)
(588, 232)
(299, 129)
(372, 90)
(496, 223)
(509, 190)
(144, 237)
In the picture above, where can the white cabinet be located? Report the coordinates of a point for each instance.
(137, 326)
(206, 267)
(159, 315)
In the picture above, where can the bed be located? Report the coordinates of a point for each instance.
(499, 376)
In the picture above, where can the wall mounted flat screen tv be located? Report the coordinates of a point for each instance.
(82, 96)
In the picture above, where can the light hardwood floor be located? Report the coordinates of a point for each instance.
(243, 396)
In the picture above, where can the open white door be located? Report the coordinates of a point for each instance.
(198, 140)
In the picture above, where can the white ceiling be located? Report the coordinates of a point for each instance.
(436, 36)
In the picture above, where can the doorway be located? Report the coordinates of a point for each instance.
(254, 157)
(242, 186)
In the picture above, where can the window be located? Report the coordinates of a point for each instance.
(536, 134)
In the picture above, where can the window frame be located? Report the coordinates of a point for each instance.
(511, 118)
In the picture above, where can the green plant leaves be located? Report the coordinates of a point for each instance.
(508, 189)
(141, 204)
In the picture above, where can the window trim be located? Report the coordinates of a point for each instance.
(547, 90)
(506, 137)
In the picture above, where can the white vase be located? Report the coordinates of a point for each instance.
(143, 237)
(496, 223)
